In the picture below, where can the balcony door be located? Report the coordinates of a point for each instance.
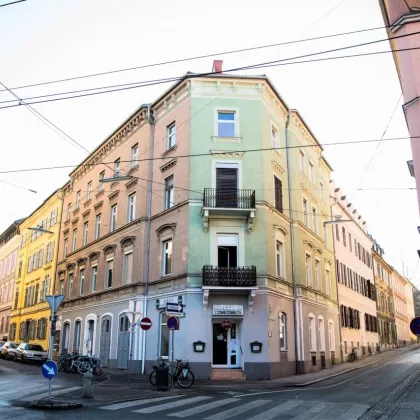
(227, 186)
(227, 251)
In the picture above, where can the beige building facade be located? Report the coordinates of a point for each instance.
(356, 285)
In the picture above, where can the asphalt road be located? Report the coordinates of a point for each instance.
(372, 392)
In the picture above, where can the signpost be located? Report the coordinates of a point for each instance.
(49, 369)
(415, 326)
(172, 324)
(145, 323)
(174, 309)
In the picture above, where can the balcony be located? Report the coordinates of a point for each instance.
(219, 202)
(232, 279)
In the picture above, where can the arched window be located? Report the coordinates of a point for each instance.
(283, 330)
(77, 335)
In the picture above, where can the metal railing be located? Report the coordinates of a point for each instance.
(229, 276)
(227, 198)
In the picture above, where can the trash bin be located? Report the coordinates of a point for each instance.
(162, 377)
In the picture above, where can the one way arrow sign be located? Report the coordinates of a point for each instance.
(174, 309)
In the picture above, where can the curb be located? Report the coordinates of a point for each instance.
(54, 405)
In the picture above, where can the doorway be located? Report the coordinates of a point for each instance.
(227, 250)
(226, 347)
(123, 342)
(105, 339)
(90, 337)
(227, 187)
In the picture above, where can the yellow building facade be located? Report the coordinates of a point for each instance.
(35, 274)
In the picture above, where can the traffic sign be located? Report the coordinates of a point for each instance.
(54, 301)
(49, 369)
(415, 326)
(174, 309)
(145, 323)
(172, 323)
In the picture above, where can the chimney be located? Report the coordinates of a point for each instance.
(217, 66)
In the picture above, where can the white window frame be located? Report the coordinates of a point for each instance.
(279, 249)
(89, 191)
(311, 172)
(112, 219)
(328, 279)
(308, 269)
(70, 281)
(117, 166)
(321, 333)
(93, 278)
(85, 233)
(81, 280)
(74, 240)
(65, 247)
(275, 141)
(131, 208)
(171, 135)
(169, 193)
(108, 261)
(314, 221)
(125, 279)
(98, 217)
(312, 332)
(162, 324)
(101, 184)
(134, 155)
(283, 331)
(164, 251)
(305, 211)
(68, 212)
(317, 270)
(302, 161)
(331, 335)
(236, 121)
(78, 198)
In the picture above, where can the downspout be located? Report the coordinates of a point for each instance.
(336, 284)
(148, 230)
(296, 309)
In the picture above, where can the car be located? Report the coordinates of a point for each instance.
(1, 344)
(27, 352)
(8, 350)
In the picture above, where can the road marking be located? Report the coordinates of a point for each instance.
(313, 412)
(270, 414)
(26, 390)
(237, 410)
(205, 407)
(354, 412)
(45, 394)
(128, 404)
(171, 405)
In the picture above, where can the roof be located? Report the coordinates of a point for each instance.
(14, 226)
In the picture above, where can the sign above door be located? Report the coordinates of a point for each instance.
(223, 310)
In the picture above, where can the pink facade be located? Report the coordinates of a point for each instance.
(403, 18)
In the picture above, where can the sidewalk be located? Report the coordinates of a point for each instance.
(117, 388)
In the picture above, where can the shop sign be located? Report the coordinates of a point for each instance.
(228, 310)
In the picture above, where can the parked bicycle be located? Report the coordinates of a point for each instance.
(74, 362)
(353, 355)
(181, 372)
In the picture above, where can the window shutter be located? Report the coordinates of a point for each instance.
(226, 178)
(337, 269)
(278, 194)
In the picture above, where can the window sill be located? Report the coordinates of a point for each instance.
(166, 276)
(227, 139)
(166, 152)
(133, 169)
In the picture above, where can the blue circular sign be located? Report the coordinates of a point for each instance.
(415, 326)
(172, 323)
(49, 369)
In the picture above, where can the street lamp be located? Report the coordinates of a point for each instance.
(117, 178)
(40, 229)
(337, 220)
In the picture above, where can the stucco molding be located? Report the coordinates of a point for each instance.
(98, 205)
(70, 267)
(74, 221)
(227, 154)
(109, 249)
(114, 195)
(81, 261)
(128, 240)
(277, 167)
(94, 255)
(131, 183)
(167, 226)
(281, 229)
(168, 165)
(86, 213)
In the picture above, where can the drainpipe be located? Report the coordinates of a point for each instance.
(148, 230)
(336, 284)
(296, 303)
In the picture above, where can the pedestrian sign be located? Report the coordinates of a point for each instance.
(49, 369)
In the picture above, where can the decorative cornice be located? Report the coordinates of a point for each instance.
(166, 152)
(226, 154)
(170, 226)
(75, 211)
(301, 128)
(113, 195)
(69, 266)
(74, 221)
(120, 136)
(410, 17)
(133, 169)
(168, 165)
(86, 213)
(86, 203)
(98, 205)
(81, 261)
(127, 239)
(281, 229)
(94, 255)
(100, 193)
(277, 167)
(131, 183)
(109, 249)
(66, 231)
(113, 184)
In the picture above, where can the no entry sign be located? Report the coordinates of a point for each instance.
(145, 323)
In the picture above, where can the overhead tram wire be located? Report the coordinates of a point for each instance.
(198, 57)
(204, 154)
(135, 85)
(11, 3)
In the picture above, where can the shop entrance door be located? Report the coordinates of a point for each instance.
(226, 348)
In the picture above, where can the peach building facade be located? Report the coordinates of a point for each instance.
(356, 285)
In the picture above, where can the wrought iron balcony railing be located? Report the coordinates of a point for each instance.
(229, 276)
(228, 198)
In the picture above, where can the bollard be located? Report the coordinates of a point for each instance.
(87, 385)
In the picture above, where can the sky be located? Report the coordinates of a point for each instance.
(341, 100)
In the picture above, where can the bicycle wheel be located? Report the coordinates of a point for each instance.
(152, 378)
(97, 370)
(83, 367)
(185, 378)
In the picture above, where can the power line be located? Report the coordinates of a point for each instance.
(198, 57)
(18, 186)
(325, 15)
(13, 2)
(46, 121)
(204, 154)
(136, 85)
